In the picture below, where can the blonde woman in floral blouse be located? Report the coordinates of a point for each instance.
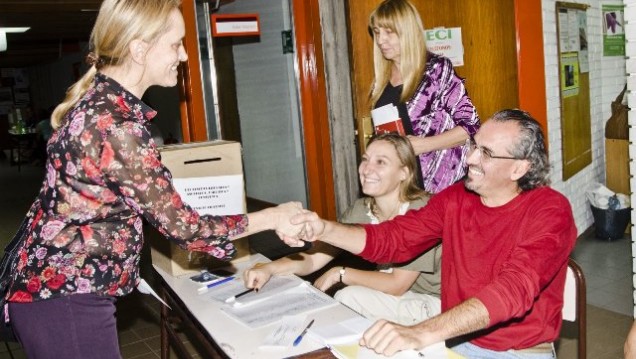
(83, 234)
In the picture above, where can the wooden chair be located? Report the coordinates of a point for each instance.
(575, 302)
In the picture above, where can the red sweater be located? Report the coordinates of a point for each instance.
(513, 258)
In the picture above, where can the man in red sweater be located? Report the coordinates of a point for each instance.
(507, 237)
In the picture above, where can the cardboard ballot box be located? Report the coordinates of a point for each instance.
(209, 178)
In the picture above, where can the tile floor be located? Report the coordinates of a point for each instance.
(607, 267)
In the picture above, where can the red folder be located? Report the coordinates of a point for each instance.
(393, 126)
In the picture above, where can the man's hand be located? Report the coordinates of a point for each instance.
(388, 338)
(314, 226)
(310, 227)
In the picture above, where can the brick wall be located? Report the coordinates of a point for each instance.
(630, 31)
(607, 77)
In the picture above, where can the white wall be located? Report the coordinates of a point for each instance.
(607, 77)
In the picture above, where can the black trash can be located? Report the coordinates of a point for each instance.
(610, 224)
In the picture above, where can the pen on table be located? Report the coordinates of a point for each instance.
(300, 337)
(234, 297)
(214, 284)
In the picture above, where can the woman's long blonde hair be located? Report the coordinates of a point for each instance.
(118, 23)
(409, 190)
(402, 18)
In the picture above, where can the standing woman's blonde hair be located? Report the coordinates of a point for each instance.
(402, 18)
(118, 23)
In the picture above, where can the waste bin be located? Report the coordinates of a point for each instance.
(610, 224)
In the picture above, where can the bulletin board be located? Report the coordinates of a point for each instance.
(574, 87)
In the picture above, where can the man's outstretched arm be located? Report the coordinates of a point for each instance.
(350, 237)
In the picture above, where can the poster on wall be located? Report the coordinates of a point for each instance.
(573, 35)
(569, 74)
(613, 30)
(446, 42)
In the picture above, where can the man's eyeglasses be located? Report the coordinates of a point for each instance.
(484, 153)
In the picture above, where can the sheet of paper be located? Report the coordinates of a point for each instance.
(346, 332)
(300, 299)
(285, 333)
(354, 351)
(277, 284)
(225, 290)
(384, 114)
(145, 288)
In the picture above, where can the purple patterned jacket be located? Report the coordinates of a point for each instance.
(441, 103)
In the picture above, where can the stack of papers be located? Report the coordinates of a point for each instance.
(343, 338)
(355, 351)
(285, 333)
(257, 309)
(346, 332)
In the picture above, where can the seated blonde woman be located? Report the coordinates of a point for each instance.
(405, 293)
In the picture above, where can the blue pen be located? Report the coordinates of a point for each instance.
(214, 284)
(300, 337)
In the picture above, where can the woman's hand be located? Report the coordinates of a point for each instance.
(328, 279)
(418, 144)
(257, 276)
(454, 137)
(309, 226)
(281, 218)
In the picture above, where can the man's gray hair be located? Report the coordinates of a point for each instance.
(529, 146)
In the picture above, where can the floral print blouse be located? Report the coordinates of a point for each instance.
(103, 174)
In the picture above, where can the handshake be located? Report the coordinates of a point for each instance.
(293, 224)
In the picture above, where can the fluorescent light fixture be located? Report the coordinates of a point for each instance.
(3, 35)
(14, 29)
(3, 41)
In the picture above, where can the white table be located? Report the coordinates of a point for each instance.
(224, 337)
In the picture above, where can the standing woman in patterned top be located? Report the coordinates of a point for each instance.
(435, 109)
(82, 237)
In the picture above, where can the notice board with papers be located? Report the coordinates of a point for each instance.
(574, 87)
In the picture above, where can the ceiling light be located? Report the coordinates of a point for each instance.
(3, 41)
(14, 29)
(3, 35)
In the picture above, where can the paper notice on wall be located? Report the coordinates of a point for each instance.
(215, 195)
(446, 42)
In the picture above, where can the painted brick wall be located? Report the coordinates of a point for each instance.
(630, 31)
(607, 77)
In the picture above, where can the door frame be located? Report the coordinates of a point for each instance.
(312, 89)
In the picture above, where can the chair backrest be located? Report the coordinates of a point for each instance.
(575, 303)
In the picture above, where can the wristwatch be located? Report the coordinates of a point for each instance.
(342, 271)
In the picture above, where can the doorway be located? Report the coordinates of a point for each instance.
(251, 96)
